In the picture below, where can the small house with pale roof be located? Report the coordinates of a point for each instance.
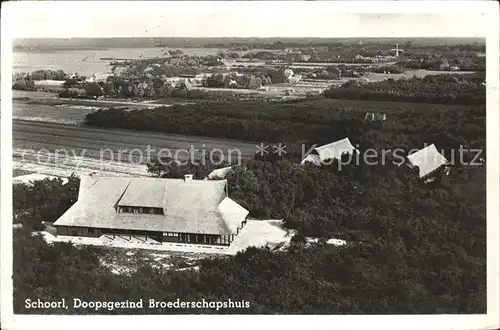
(160, 210)
(375, 116)
(220, 173)
(429, 162)
(334, 150)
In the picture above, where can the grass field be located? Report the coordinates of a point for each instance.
(44, 106)
(83, 149)
(32, 94)
(40, 112)
(18, 172)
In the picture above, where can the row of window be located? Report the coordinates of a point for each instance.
(140, 210)
(182, 237)
(206, 239)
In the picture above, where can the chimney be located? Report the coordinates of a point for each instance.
(188, 177)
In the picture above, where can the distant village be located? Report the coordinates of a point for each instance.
(274, 75)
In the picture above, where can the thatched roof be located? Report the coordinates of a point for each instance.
(189, 207)
(333, 150)
(428, 160)
(145, 193)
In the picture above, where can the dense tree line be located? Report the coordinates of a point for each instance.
(261, 55)
(43, 201)
(311, 122)
(24, 85)
(67, 93)
(49, 75)
(267, 74)
(445, 88)
(357, 279)
(444, 63)
(388, 69)
(26, 81)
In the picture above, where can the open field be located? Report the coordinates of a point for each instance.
(61, 165)
(47, 107)
(116, 152)
(91, 103)
(42, 112)
(26, 132)
(32, 94)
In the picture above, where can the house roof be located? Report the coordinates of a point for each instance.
(220, 173)
(189, 207)
(428, 160)
(232, 212)
(312, 158)
(375, 116)
(332, 150)
(101, 76)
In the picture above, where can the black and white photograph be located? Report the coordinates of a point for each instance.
(321, 158)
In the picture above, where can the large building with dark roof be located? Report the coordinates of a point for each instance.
(164, 210)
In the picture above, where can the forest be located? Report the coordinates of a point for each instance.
(443, 88)
(470, 62)
(412, 248)
(311, 122)
(43, 201)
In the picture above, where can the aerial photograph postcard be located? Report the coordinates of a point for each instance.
(249, 158)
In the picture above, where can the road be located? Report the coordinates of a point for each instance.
(120, 145)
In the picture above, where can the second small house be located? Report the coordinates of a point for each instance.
(220, 173)
(328, 152)
(375, 116)
(430, 163)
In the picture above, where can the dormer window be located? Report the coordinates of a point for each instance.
(140, 210)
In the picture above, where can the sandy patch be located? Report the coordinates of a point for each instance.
(260, 233)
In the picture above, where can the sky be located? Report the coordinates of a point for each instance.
(244, 19)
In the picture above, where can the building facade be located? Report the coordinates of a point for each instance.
(149, 209)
